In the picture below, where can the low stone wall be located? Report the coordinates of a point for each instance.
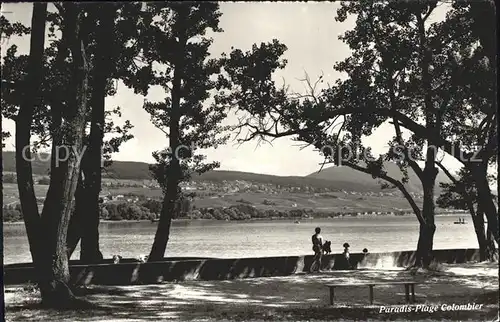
(129, 271)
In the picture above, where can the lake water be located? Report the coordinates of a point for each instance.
(232, 239)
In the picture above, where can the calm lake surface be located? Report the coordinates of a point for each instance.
(231, 239)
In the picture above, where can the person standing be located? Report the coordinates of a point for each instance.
(347, 256)
(317, 241)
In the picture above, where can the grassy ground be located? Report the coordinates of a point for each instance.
(291, 298)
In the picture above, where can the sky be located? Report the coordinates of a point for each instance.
(310, 32)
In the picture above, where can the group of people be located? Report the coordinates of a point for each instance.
(318, 248)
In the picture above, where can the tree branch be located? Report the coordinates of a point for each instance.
(460, 186)
(395, 182)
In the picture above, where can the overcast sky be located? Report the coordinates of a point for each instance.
(310, 32)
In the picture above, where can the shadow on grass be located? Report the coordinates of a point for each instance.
(300, 297)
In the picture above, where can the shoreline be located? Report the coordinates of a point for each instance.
(252, 219)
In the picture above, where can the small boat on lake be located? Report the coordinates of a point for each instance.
(155, 220)
(297, 222)
(460, 221)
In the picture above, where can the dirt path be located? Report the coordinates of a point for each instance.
(297, 297)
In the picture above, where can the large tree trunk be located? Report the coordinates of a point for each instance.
(90, 239)
(433, 123)
(428, 228)
(57, 109)
(64, 178)
(84, 225)
(24, 120)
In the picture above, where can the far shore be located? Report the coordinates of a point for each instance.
(252, 219)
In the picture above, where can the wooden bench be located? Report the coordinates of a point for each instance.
(409, 285)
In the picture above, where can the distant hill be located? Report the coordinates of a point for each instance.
(39, 167)
(335, 178)
(126, 170)
(345, 173)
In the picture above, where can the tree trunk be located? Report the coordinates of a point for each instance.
(84, 225)
(90, 239)
(425, 242)
(428, 228)
(484, 239)
(57, 108)
(162, 235)
(425, 245)
(59, 202)
(433, 123)
(491, 248)
(75, 222)
(90, 252)
(478, 222)
(486, 245)
(485, 198)
(170, 204)
(483, 26)
(24, 120)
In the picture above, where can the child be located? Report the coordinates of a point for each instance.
(347, 255)
(346, 250)
(365, 253)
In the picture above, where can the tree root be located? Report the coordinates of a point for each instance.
(57, 295)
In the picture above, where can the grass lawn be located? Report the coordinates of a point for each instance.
(291, 298)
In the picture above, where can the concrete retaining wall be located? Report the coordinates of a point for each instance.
(129, 271)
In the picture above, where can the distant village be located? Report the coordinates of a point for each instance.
(211, 188)
(242, 186)
(116, 191)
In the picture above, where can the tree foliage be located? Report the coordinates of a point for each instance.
(457, 194)
(55, 95)
(176, 41)
(405, 70)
